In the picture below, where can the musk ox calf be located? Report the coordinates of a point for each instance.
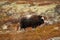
(31, 21)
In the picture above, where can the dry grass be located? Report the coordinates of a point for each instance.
(40, 33)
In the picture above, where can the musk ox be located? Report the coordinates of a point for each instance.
(31, 21)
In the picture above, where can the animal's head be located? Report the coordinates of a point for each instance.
(41, 19)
